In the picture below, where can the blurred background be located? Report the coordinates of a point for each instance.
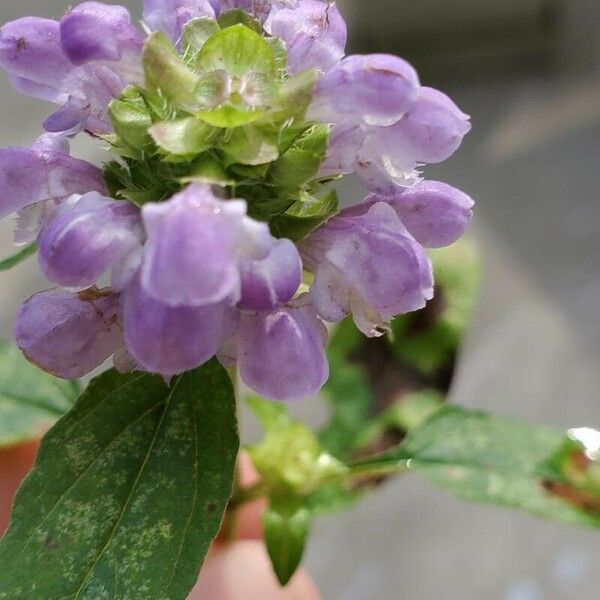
(528, 71)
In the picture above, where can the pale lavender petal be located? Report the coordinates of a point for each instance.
(273, 280)
(85, 238)
(345, 141)
(93, 31)
(314, 33)
(42, 172)
(281, 352)
(191, 253)
(170, 340)
(170, 16)
(67, 334)
(37, 90)
(375, 89)
(436, 214)
(367, 265)
(30, 49)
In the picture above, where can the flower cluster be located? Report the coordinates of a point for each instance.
(213, 231)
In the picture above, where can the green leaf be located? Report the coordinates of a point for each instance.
(131, 119)
(251, 145)
(207, 169)
(484, 458)
(128, 491)
(305, 216)
(295, 94)
(301, 162)
(184, 137)
(167, 76)
(18, 257)
(195, 34)
(30, 400)
(286, 525)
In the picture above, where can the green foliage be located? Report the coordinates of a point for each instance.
(128, 491)
(489, 459)
(30, 400)
(17, 258)
(286, 524)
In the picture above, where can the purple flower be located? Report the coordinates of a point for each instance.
(435, 213)
(367, 265)
(314, 33)
(374, 89)
(68, 334)
(82, 62)
(281, 352)
(43, 172)
(170, 16)
(169, 340)
(85, 237)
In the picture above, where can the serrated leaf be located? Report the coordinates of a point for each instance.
(18, 257)
(186, 137)
(128, 491)
(304, 216)
(286, 526)
(30, 400)
(485, 458)
(167, 76)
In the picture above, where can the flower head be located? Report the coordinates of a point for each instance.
(226, 118)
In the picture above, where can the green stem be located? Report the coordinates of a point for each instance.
(15, 259)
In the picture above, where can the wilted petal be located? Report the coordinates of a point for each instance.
(170, 16)
(191, 254)
(30, 50)
(93, 31)
(170, 340)
(43, 172)
(86, 237)
(67, 334)
(367, 265)
(281, 352)
(271, 269)
(314, 33)
(375, 89)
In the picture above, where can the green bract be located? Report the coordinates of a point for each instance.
(225, 112)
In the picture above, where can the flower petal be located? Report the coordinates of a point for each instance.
(67, 334)
(191, 253)
(43, 172)
(85, 238)
(170, 340)
(281, 352)
(375, 89)
(314, 32)
(170, 16)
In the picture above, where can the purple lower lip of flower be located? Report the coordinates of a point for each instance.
(85, 238)
(191, 255)
(170, 16)
(271, 272)
(435, 213)
(367, 265)
(314, 32)
(93, 31)
(68, 334)
(44, 171)
(375, 89)
(170, 340)
(281, 352)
